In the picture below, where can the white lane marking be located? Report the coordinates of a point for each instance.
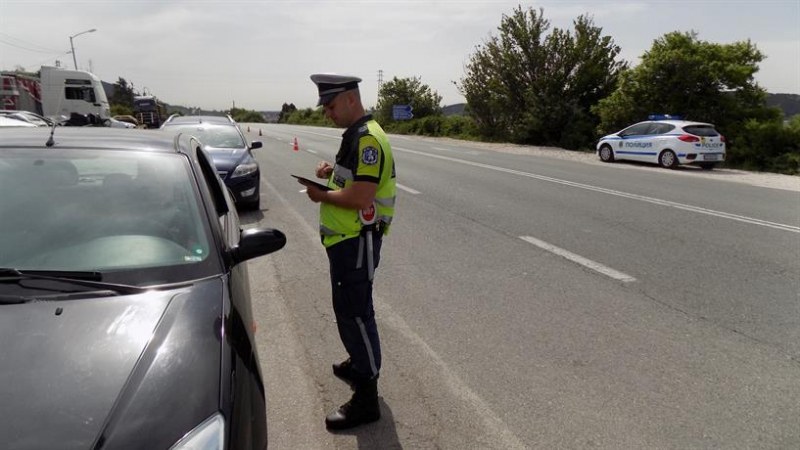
(407, 189)
(321, 134)
(494, 429)
(457, 150)
(311, 151)
(655, 201)
(588, 263)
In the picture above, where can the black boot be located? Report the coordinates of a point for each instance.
(344, 371)
(362, 408)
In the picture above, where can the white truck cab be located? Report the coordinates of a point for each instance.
(67, 91)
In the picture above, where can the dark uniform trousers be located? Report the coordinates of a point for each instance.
(352, 303)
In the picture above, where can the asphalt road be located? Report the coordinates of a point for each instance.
(534, 302)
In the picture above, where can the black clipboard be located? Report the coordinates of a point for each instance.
(305, 181)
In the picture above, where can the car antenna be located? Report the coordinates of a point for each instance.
(50, 141)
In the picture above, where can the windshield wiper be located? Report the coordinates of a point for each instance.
(10, 299)
(87, 278)
(8, 272)
(13, 299)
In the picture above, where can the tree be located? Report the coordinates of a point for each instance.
(123, 94)
(699, 80)
(407, 91)
(286, 111)
(309, 116)
(532, 88)
(244, 115)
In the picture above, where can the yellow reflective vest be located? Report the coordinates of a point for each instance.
(364, 155)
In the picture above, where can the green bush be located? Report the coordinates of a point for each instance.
(770, 146)
(309, 116)
(460, 127)
(121, 110)
(248, 117)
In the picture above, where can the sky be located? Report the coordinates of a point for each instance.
(258, 55)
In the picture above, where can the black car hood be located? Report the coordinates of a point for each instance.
(225, 158)
(89, 372)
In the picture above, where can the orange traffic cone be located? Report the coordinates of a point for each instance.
(295, 147)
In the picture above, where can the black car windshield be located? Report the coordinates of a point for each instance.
(134, 217)
(216, 136)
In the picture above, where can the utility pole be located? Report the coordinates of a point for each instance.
(71, 46)
(380, 83)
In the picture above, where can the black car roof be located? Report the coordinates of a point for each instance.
(95, 138)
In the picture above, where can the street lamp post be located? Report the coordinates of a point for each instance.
(74, 59)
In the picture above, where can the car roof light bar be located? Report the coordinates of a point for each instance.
(665, 117)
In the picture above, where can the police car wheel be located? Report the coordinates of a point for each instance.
(606, 154)
(668, 160)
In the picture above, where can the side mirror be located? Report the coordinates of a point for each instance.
(255, 242)
(255, 145)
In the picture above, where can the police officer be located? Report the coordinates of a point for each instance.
(355, 214)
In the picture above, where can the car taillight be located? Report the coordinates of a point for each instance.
(689, 138)
(722, 138)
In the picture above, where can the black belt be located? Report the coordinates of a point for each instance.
(377, 227)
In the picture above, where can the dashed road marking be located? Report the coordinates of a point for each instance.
(588, 263)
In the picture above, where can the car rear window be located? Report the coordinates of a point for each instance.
(661, 128)
(217, 136)
(701, 130)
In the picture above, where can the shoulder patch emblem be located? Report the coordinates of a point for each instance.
(369, 156)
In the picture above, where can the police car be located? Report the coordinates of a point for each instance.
(666, 141)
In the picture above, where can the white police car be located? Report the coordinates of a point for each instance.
(665, 141)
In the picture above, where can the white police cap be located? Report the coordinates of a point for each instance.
(331, 85)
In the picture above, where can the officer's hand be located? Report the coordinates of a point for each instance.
(314, 193)
(324, 169)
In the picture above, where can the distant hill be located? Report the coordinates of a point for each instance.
(788, 103)
(454, 110)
